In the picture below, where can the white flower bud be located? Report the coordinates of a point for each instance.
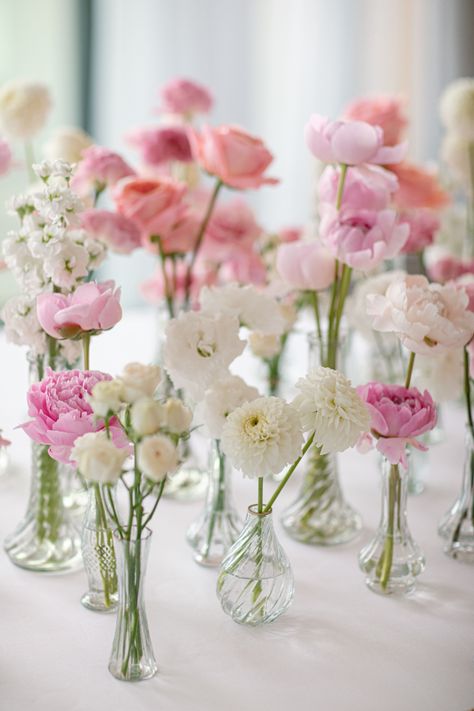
(178, 417)
(105, 397)
(147, 416)
(24, 108)
(97, 458)
(156, 457)
(67, 144)
(139, 381)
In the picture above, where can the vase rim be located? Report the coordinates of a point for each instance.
(146, 534)
(252, 510)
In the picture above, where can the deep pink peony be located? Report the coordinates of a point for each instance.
(448, 267)
(349, 142)
(5, 157)
(366, 187)
(61, 412)
(398, 416)
(232, 228)
(306, 265)
(162, 144)
(418, 187)
(237, 158)
(90, 309)
(423, 226)
(186, 97)
(362, 238)
(384, 111)
(99, 169)
(118, 232)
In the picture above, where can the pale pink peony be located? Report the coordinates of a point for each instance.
(384, 111)
(306, 265)
(99, 168)
(428, 318)
(423, 226)
(186, 97)
(418, 187)
(349, 142)
(244, 267)
(466, 282)
(232, 155)
(61, 412)
(161, 144)
(153, 289)
(398, 416)
(120, 234)
(362, 238)
(92, 308)
(448, 267)
(366, 187)
(5, 157)
(232, 228)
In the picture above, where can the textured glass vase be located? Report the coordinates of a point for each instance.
(457, 526)
(255, 581)
(132, 657)
(392, 560)
(98, 554)
(218, 525)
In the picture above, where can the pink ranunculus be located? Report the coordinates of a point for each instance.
(398, 416)
(366, 187)
(119, 233)
(5, 157)
(92, 308)
(349, 142)
(290, 234)
(418, 187)
(237, 158)
(153, 289)
(232, 228)
(185, 97)
(306, 266)
(99, 168)
(447, 267)
(178, 237)
(162, 144)
(384, 111)
(244, 267)
(362, 238)
(60, 413)
(428, 318)
(423, 226)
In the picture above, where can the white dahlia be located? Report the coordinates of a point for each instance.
(254, 309)
(222, 398)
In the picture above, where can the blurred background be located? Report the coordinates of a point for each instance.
(269, 64)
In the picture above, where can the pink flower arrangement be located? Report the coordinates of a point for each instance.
(232, 228)
(305, 265)
(90, 309)
(118, 232)
(186, 97)
(232, 155)
(244, 267)
(5, 157)
(290, 234)
(154, 291)
(384, 111)
(418, 187)
(61, 413)
(349, 142)
(423, 226)
(162, 144)
(398, 416)
(178, 237)
(366, 187)
(448, 267)
(99, 168)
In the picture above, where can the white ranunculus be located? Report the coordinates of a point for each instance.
(455, 153)
(264, 345)
(21, 324)
(457, 107)
(67, 143)
(177, 416)
(147, 416)
(156, 457)
(97, 458)
(24, 108)
(106, 397)
(139, 380)
(222, 398)
(254, 309)
(66, 264)
(356, 308)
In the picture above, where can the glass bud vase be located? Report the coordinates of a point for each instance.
(132, 657)
(392, 560)
(457, 526)
(98, 554)
(219, 525)
(255, 581)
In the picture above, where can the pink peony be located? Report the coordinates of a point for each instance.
(349, 142)
(244, 267)
(447, 268)
(366, 187)
(466, 282)
(428, 318)
(305, 265)
(5, 157)
(362, 238)
(99, 169)
(162, 144)
(398, 416)
(384, 111)
(423, 226)
(183, 96)
(92, 308)
(153, 289)
(234, 156)
(418, 187)
(232, 228)
(119, 233)
(61, 412)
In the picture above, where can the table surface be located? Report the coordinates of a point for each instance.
(338, 647)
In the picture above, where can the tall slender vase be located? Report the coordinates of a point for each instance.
(218, 525)
(392, 560)
(132, 657)
(457, 526)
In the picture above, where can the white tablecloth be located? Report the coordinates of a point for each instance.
(338, 647)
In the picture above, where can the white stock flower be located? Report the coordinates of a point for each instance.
(96, 250)
(58, 203)
(21, 324)
(146, 416)
(457, 107)
(262, 436)
(177, 416)
(24, 108)
(97, 458)
(105, 397)
(222, 398)
(264, 345)
(330, 407)
(67, 263)
(67, 143)
(356, 309)
(42, 242)
(139, 380)
(254, 309)
(156, 457)
(199, 349)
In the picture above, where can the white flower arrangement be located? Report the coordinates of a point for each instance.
(224, 396)
(253, 308)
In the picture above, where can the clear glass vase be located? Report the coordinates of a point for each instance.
(98, 554)
(191, 480)
(255, 581)
(218, 525)
(132, 657)
(75, 493)
(457, 526)
(392, 560)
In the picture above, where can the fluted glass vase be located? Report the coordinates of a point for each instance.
(255, 581)
(98, 554)
(132, 657)
(392, 560)
(457, 526)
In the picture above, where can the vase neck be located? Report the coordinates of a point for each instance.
(326, 351)
(219, 491)
(468, 476)
(394, 497)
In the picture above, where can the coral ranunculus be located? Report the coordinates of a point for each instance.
(119, 233)
(423, 226)
(418, 187)
(99, 168)
(384, 111)
(232, 228)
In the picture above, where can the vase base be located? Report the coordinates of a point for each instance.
(44, 556)
(415, 487)
(95, 601)
(135, 673)
(461, 552)
(323, 529)
(394, 588)
(208, 561)
(187, 485)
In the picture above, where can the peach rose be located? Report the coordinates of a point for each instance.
(384, 111)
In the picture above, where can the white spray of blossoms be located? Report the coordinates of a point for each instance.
(254, 309)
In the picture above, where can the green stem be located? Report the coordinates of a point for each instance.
(169, 291)
(107, 570)
(330, 360)
(260, 494)
(340, 187)
(288, 474)
(49, 507)
(86, 344)
(467, 391)
(411, 363)
(384, 566)
(344, 289)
